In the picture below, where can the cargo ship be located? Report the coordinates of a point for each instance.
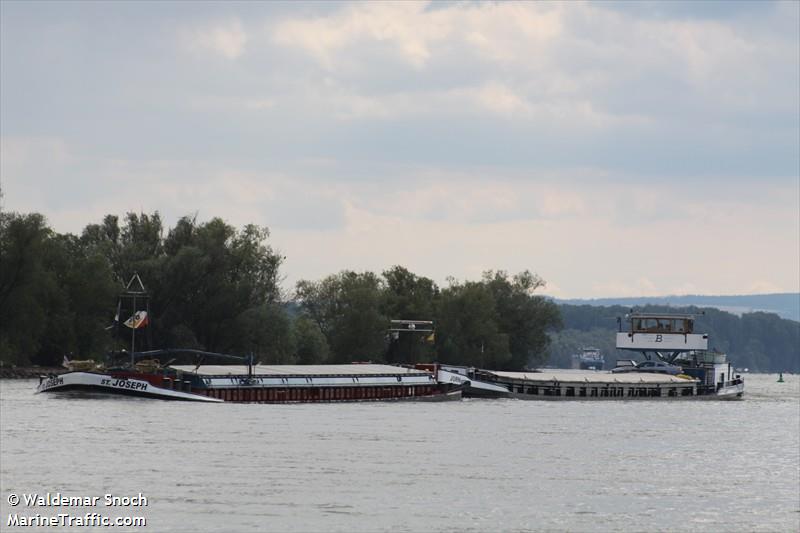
(677, 365)
(255, 383)
(241, 378)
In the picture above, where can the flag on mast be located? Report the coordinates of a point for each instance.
(138, 320)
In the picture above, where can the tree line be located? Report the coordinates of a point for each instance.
(218, 288)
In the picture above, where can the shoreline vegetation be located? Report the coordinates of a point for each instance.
(217, 288)
(30, 372)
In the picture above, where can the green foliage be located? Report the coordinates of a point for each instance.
(497, 322)
(523, 316)
(213, 287)
(468, 330)
(311, 345)
(218, 282)
(347, 309)
(24, 285)
(55, 292)
(494, 323)
(266, 331)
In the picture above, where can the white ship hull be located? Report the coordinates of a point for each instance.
(106, 383)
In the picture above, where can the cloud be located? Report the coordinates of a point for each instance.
(227, 39)
(580, 62)
(44, 178)
(498, 98)
(588, 238)
(393, 23)
(613, 148)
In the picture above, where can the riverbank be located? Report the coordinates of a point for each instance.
(29, 372)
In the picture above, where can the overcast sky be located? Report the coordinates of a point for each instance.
(615, 148)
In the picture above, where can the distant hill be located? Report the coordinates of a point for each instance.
(785, 305)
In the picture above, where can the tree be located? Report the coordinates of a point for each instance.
(211, 286)
(266, 331)
(496, 323)
(467, 330)
(310, 344)
(24, 282)
(346, 309)
(218, 281)
(523, 316)
(55, 294)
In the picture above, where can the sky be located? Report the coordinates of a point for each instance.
(613, 148)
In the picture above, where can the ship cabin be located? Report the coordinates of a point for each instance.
(654, 323)
(660, 333)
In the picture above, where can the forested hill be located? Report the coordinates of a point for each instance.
(785, 305)
(759, 341)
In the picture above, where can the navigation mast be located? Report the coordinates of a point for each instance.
(133, 290)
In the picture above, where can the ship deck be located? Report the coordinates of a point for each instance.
(354, 370)
(550, 385)
(591, 377)
(282, 383)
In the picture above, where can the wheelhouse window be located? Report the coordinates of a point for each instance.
(664, 324)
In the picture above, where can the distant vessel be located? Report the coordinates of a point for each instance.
(589, 359)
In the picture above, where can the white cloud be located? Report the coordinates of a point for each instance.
(566, 63)
(611, 152)
(441, 224)
(500, 99)
(403, 25)
(227, 39)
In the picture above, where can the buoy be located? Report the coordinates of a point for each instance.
(780, 378)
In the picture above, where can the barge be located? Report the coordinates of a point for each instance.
(314, 383)
(254, 383)
(242, 379)
(677, 365)
(586, 385)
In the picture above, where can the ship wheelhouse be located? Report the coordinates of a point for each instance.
(647, 323)
(663, 334)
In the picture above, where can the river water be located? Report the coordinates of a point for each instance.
(474, 465)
